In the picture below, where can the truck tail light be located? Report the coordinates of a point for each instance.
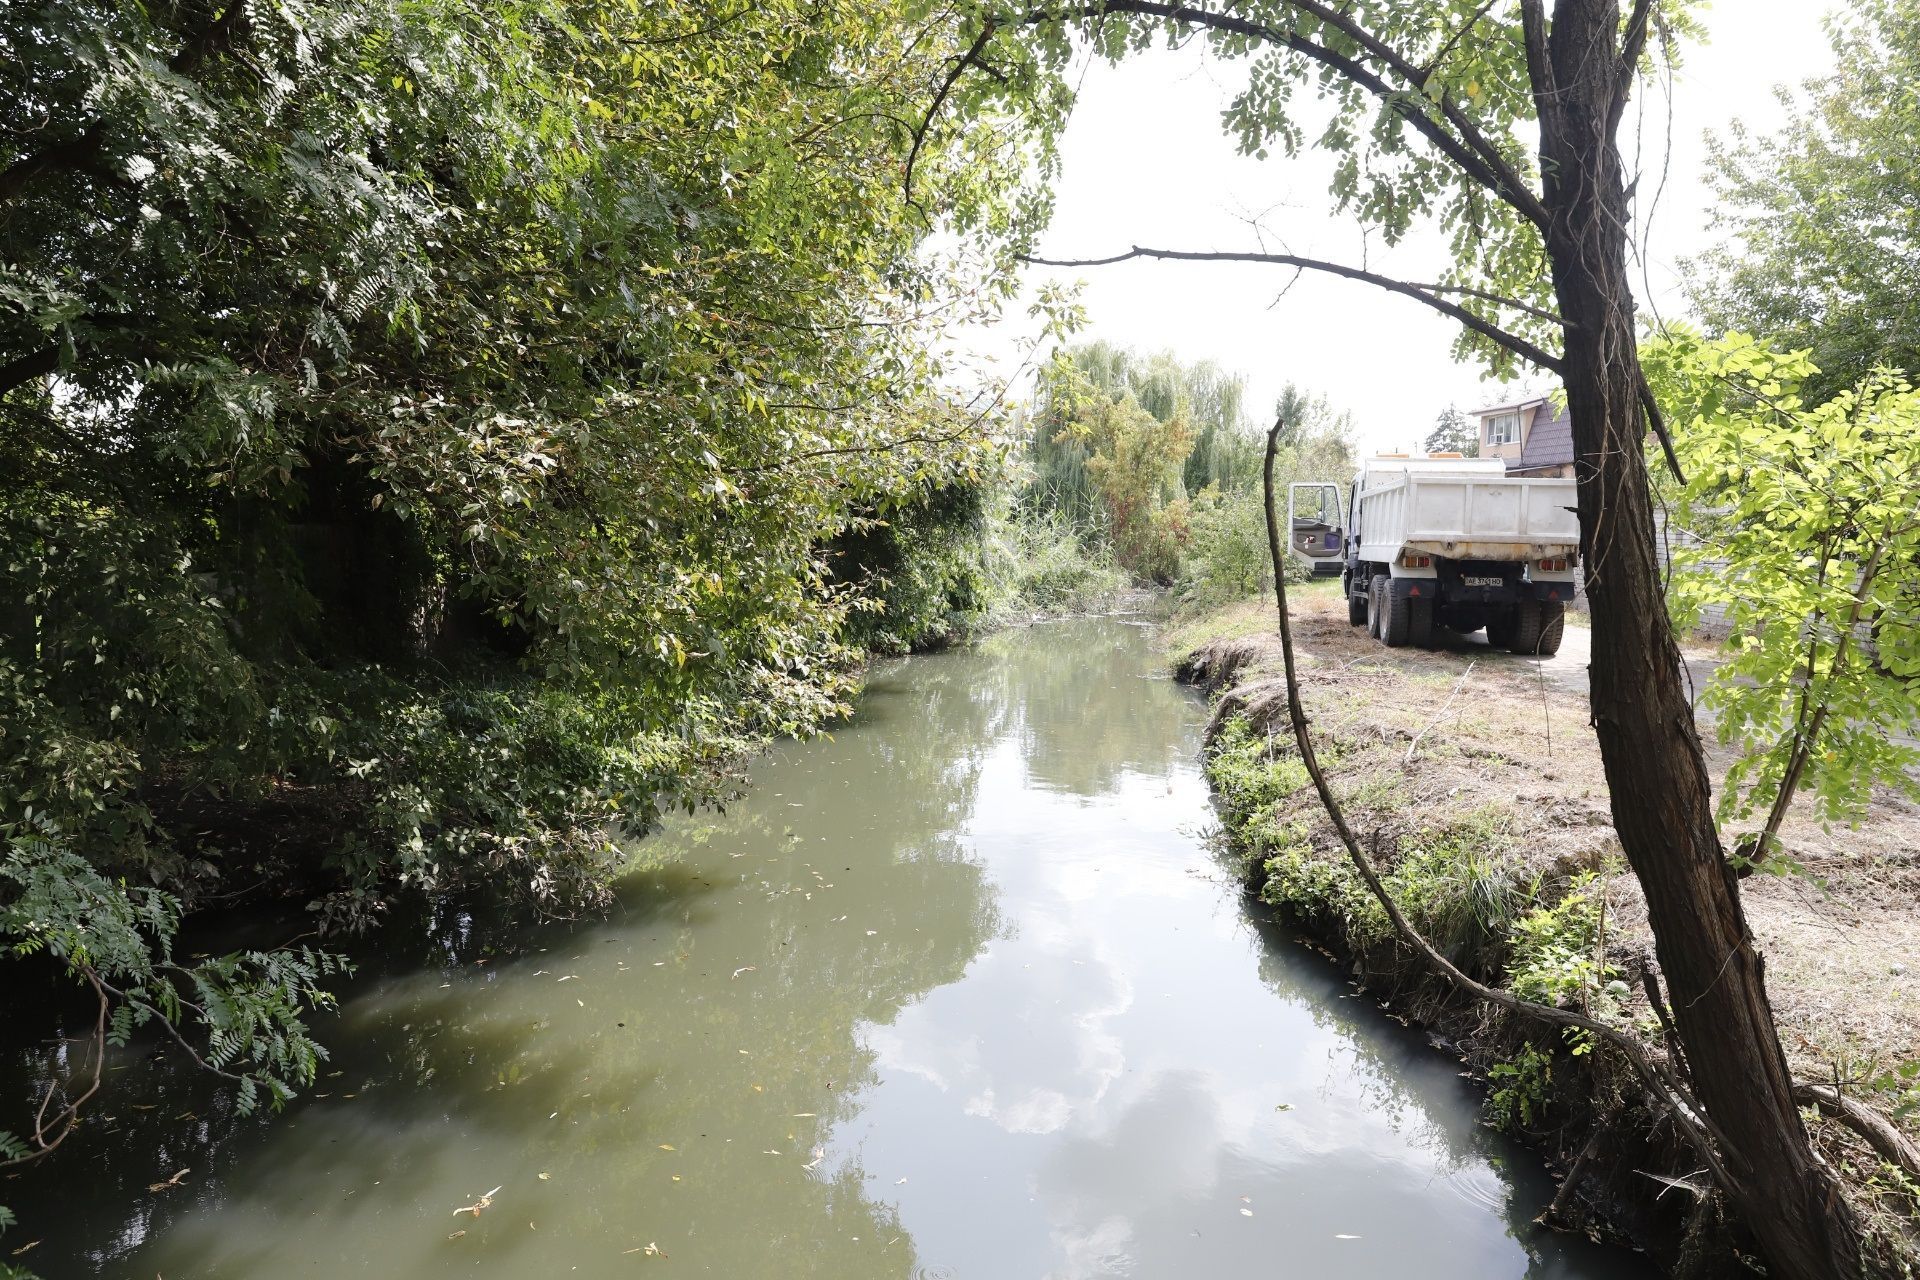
(1559, 564)
(1411, 561)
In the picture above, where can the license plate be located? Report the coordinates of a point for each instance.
(1485, 582)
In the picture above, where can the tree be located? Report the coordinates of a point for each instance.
(1452, 433)
(1823, 251)
(423, 433)
(1430, 106)
(1809, 524)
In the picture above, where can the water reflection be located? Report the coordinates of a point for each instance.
(954, 993)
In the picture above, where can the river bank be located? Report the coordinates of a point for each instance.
(1477, 781)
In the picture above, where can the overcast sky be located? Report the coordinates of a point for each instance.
(1145, 162)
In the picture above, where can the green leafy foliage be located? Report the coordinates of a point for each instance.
(1822, 243)
(1556, 956)
(426, 434)
(1158, 460)
(1809, 524)
(1522, 1088)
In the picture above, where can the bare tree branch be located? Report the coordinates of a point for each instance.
(1421, 292)
(67, 1118)
(970, 58)
(1546, 94)
(1630, 48)
(1658, 421)
(1887, 1141)
(23, 369)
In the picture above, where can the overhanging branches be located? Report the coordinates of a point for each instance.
(1425, 293)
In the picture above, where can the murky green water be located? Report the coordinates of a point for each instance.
(957, 993)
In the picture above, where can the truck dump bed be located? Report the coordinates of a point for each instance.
(1466, 509)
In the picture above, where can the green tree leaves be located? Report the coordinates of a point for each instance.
(1806, 533)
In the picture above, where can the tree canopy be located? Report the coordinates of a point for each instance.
(426, 431)
(1822, 246)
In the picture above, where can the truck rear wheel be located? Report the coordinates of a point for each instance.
(1500, 626)
(1356, 606)
(1552, 629)
(1538, 628)
(1396, 616)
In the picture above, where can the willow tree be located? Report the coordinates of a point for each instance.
(1498, 121)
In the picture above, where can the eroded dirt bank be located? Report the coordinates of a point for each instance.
(1474, 775)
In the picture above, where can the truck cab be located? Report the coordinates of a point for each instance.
(1430, 543)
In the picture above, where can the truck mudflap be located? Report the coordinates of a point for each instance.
(1553, 592)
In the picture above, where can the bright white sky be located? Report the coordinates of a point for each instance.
(1145, 162)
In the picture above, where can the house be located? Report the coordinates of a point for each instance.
(1533, 436)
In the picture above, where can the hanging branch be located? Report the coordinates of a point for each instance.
(1875, 1129)
(1426, 293)
(1690, 1117)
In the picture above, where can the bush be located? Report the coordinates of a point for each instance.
(1039, 564)
(1226, 557)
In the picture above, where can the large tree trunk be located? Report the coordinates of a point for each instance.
(1662, 804)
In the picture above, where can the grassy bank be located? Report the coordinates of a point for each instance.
(1473, 777)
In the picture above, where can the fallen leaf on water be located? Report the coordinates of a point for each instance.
(1346, 1237)
(801, 1115)
(901, 1182)
(872, 932)
(174, 1181)
(546, 1177)
(745, 968)
(759, 1089)
(666, 1146)
(581, 1003)
(1283, 1106)
(769, 1152)
(569, 978)
(477, 1205)
(654, 1251)
(1246, 1213)
(23, 1248)
(456, 1235)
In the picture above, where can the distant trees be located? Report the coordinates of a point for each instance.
(1452, 433)
(1822, 249)
(1158, 459)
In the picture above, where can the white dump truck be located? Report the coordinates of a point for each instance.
(1428, 542)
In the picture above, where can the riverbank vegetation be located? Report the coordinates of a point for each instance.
(437, 445)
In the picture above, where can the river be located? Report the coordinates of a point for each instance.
(960, 991)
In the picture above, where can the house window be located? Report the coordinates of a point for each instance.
(1503, 428)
